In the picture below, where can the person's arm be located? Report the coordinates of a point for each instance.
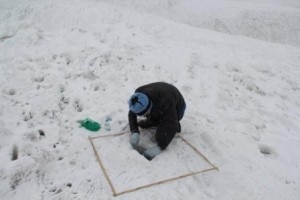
(135, 134)
(133, 122)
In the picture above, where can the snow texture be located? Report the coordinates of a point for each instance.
(237, 63)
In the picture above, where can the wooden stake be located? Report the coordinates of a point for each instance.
(163, 181)
(103, 168)
(110, 135)
(198, 152)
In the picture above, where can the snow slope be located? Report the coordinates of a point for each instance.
(273, 21)
(61, 61)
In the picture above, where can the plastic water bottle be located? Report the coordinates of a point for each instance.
(106, 124)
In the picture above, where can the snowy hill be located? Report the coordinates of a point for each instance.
(236, 63)
(273, 21)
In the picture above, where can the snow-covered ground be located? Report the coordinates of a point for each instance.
(236, 63)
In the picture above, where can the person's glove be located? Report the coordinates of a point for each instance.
(134, 140)
(150, 153)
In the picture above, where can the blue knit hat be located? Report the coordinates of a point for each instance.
(139, 103)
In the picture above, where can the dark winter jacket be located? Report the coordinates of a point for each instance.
(167, 111)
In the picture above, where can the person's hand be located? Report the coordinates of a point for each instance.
(150, 153)
(134, 140)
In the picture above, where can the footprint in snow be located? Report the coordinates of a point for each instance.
(187, 88)
(61, 88)
(38, 79)
(63, 103)
(27, 115)
(266, 151)
(77, 105)
(12, 91)
(34, 136)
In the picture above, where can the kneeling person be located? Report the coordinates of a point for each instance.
(163, 107)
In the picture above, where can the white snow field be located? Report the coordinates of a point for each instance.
(237, 63)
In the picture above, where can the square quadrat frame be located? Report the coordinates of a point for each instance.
(115, 193)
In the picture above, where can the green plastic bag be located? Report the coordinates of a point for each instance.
(90, 124)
